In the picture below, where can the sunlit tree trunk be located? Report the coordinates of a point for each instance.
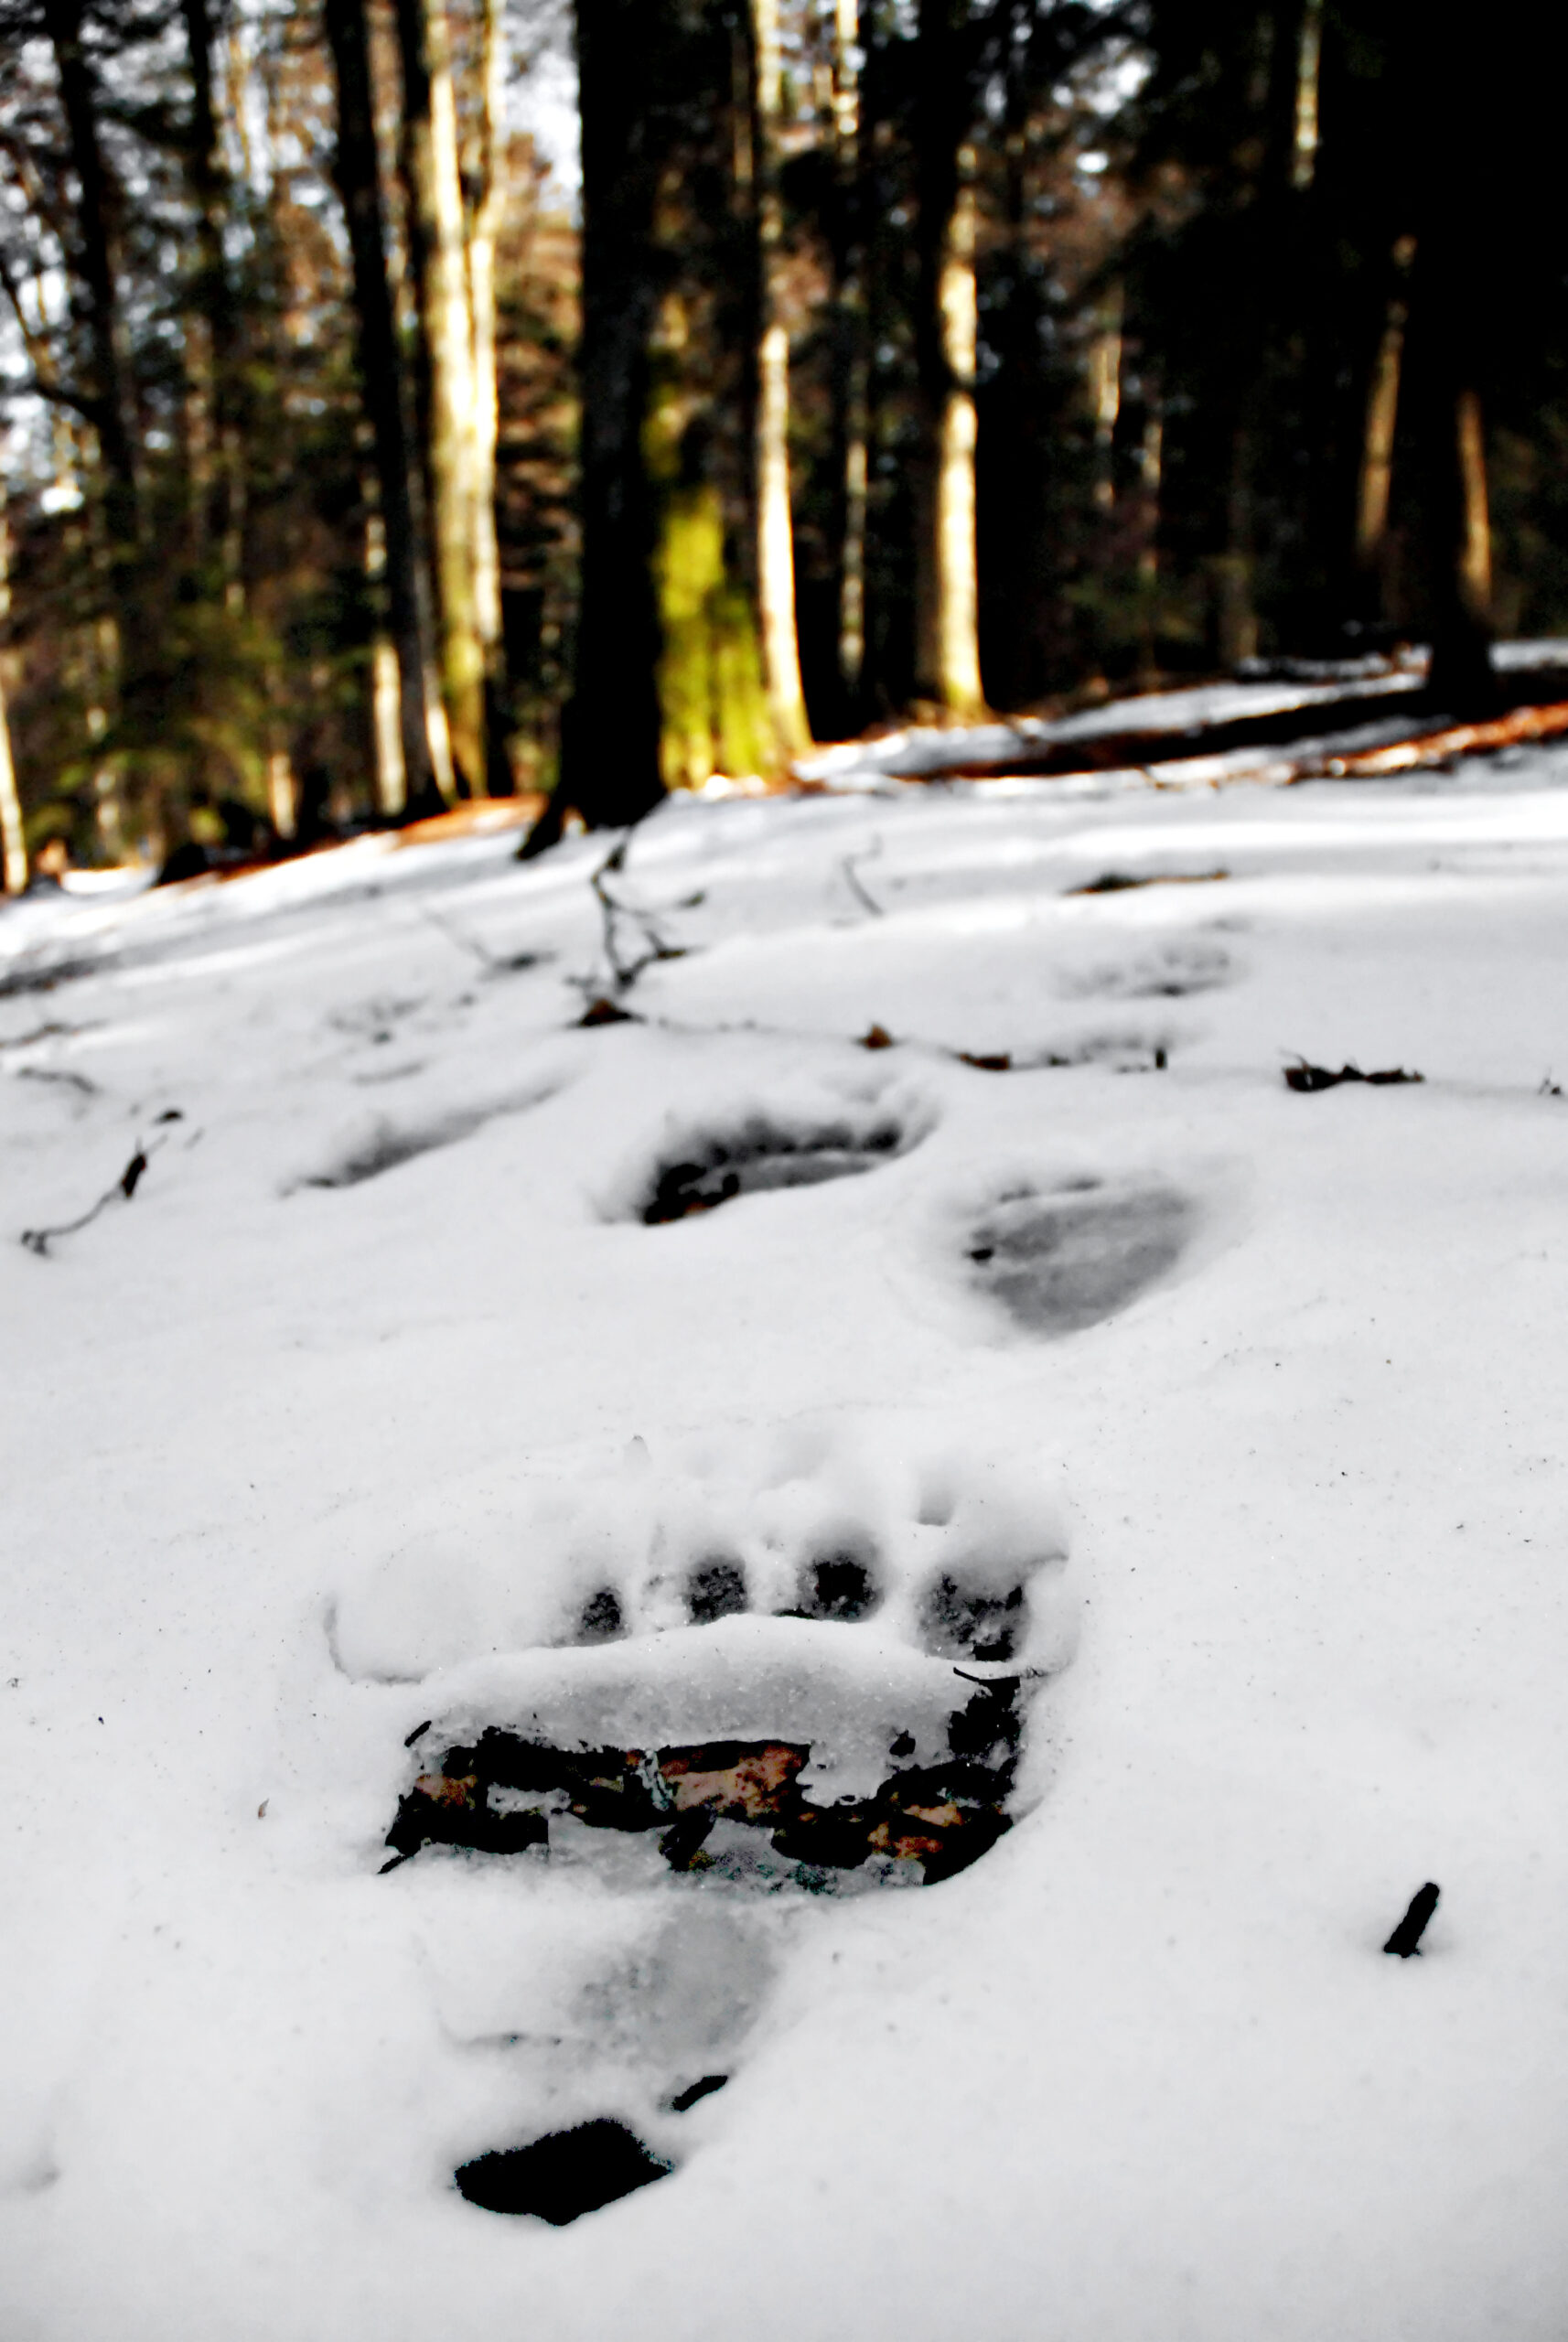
(391, 780)
(1308, 63)
(957, 599)
(947, 595)
(775, 527)
(13, 837)
(1105, 396)
(1375, 480)
(356, 173)
(1474, 564)
(436, 245)
(282, 789)
(487, 200)
(1462, 679)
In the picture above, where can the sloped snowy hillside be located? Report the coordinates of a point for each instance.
(887, 1572)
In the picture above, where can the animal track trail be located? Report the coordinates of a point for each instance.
(738, 1682)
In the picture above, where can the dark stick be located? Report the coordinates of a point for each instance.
(1406, 1940)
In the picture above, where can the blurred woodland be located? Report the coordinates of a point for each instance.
(908, 357)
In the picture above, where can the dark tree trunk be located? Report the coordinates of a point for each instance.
(610, 729)
(1457, 549)
(356, 174)
(106, 400)
(222, 519)
(1448, 335)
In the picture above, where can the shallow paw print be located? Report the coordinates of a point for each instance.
(716, 1159)
(1061, 1256)
(760, 1700)
(1168, 971)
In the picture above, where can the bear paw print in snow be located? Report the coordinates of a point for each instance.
(1061, 1255)
(706, 1690)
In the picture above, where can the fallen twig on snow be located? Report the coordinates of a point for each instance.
(78, 1081)
(515, 963)
(624, 972)
(1117, 882)
(41, 1033)
(1302, 1076)
(38, 1239)
(854, 881)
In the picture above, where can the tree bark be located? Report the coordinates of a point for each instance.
(611, 728)
(948, 648)
(1308, 64)
(1151, 472)
(436, 245)
(851, 362)
(105, 391)
(775, 528)
(1105, 396)
(12, 836)
(484, 218)
(1374, 482)
(356, 173)
(1235, 611)
(386, 737)
(221, 522)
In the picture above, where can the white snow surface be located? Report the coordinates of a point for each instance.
(323, 1437)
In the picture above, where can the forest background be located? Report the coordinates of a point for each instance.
(914, 357)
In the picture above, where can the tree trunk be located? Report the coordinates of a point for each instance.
(13, 837)
(1374, 482)
(1235, 610)
(488, 196)
(775, 528)
(437, 248)
(1308, 62)
(222, 520)
(1105, 396)
(1151, 470)
(610, 728)
(948, 648)
(356, 174)
(106, 401)
(1474, 564)
(851, 363)
(386, 738)
(1450, 286)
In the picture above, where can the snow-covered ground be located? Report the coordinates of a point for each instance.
(377, 1416)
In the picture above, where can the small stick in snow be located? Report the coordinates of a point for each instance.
(624, 972)
(1406, 1940)
(494, 963)
(1302, 1076)
(38, 1239)
(854, 881)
